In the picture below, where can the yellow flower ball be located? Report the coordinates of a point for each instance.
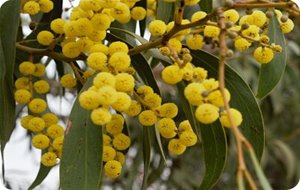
(55, 131)
(172, 74)
(257, 18)
(109, 153)
(71, 50)
(45, 37)
(147, 118)
(115, 125)
(199, 15)
(49, 159)
(100, 21)
(199, 73)
(210, 84)
(120, 61)
(175, 44)
(194, 41)
(106, 140)
(144, 90)
(152, 100)
(97, 35)
(84, 44)
(57, 25)
(215, 98)
(185, 126)
(252, 32)
(50, 119)
(167, 128)
(211, 31)
(99, 47)
(207, 113)
(168, 110)
(22, 83)
(121, 12)
(41, 87)
(134, 109)
(263, 55)
(236, 116)
(22, 96)
(83, 27)
(121, 141)
(112, 169)
(37, 105)
(97, 61)
(124, 82)
(122, 102)
(31, 7)
(231, 15)
(138, 13)
(157, 28)
(25, 120)
(241, 44)
(188, 138)
(40, 141)
(175, 147)
(57, 143)
(120, 157)
(39, 70)
(287, 26)
(27, 68)
(104, 79)
(117, 47)
(68, 81)
(193, 93)
(46, 6)
(89, 100)
(107, 95)
(36, 124)
(100, 116)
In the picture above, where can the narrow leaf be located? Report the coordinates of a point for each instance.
(9, 23)
(271, 73)
(165, 11)
(42, 174)
(242, 98)
(81, 163)
(146, 154)
(206, 5)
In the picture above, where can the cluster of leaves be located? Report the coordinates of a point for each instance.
(80, 167)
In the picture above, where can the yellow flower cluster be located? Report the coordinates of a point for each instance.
(33, 7)
(115, 143)
(47, 133)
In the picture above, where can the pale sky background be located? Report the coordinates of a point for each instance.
(21, 166)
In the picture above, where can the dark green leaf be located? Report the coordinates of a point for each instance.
(213, 141)
(271, 73)
(42, 174)
(242, 98)
(9, 23)
(206, 5)
(147, 141)
(165, 11)
(81, 163)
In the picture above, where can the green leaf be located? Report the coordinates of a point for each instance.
(142, 23)
(206, 5)
(271, 73)
(165, 11)
(81, 163)
(213, 141)
(9, 23)
(42, 174)
(242, 98)
(147, 141)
